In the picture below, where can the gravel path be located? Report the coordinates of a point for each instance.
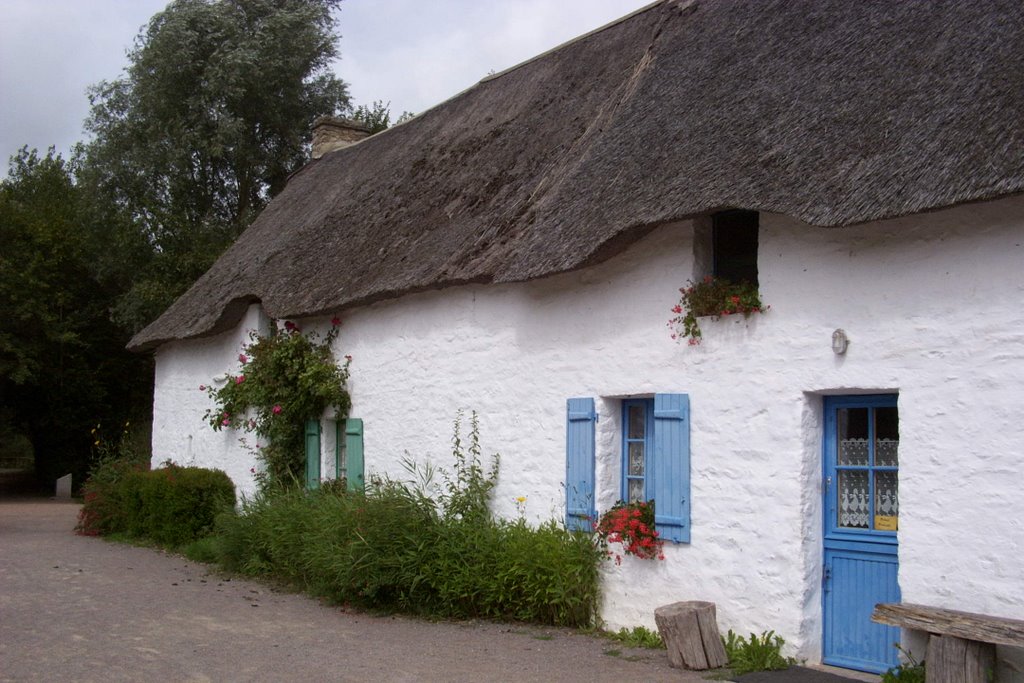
(84, 609)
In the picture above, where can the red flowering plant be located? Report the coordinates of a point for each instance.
(283, 380)
(712, 296)
(112, 462)
(632, 526)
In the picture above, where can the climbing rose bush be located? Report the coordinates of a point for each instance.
(283, 380)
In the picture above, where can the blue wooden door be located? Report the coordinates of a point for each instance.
(861, 525)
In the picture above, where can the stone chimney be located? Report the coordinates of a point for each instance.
(331, 133)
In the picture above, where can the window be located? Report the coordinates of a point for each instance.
(348, 453)
(734, 246)
(862, 465)
(655, 461)
(340, 452)
(637, 447)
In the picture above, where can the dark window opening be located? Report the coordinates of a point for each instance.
(734, 246)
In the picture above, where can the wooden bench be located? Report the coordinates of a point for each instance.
(961, 647)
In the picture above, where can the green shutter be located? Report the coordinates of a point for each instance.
(339, 447)
(354, 453)
(312, 454)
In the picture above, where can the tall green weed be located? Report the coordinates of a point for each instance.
(418, 546)
(909, 671)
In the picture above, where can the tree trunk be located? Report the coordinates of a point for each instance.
(690, 632)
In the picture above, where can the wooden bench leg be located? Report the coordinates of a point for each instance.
(955, 660)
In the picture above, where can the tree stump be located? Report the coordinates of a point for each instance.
(955, 660)
(690, 632)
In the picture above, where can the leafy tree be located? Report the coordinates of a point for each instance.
(208, 121)
(377, 117)
(63, 365)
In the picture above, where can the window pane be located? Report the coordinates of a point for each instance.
(636, 490)
(887, 437)
(636, 459)
(637, 423)
(853, 436)
(854, 509)
(887, 504)
(734, 245)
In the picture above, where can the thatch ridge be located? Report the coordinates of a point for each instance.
(830, 111)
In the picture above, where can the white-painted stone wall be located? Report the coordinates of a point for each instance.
(180, 432)
(931, 303)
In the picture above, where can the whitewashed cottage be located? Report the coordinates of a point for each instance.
(517, 250)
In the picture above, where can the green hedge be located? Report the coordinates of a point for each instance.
(391, 549)
(170, 506)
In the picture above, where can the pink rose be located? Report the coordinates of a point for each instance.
(225, 422)
(243, 359)
(276, 410)
(239, 379)
(335, 321)
(202, 387)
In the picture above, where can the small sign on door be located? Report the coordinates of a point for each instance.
(886, 522)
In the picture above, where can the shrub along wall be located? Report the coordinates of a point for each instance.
(394, 548)
(171, 506)
(421, 547)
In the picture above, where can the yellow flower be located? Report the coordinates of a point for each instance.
(521, 499)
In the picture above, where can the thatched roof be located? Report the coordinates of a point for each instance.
(832, 111)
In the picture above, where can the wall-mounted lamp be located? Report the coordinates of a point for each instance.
(839, 342)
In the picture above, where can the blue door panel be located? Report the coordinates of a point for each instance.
(861, 564)
(855, 582)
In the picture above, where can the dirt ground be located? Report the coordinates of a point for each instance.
(84, 609)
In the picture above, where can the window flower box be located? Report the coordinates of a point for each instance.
(714, 297)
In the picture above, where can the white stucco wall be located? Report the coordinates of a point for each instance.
(931, 304)
(180, 433)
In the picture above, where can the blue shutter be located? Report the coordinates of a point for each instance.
(354, 453)
(579, 464)
(672, 466)
(312, 454)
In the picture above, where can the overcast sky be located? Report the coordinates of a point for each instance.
(413, 53)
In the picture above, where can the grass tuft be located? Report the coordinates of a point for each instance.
(762, 653)
(638, 636)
